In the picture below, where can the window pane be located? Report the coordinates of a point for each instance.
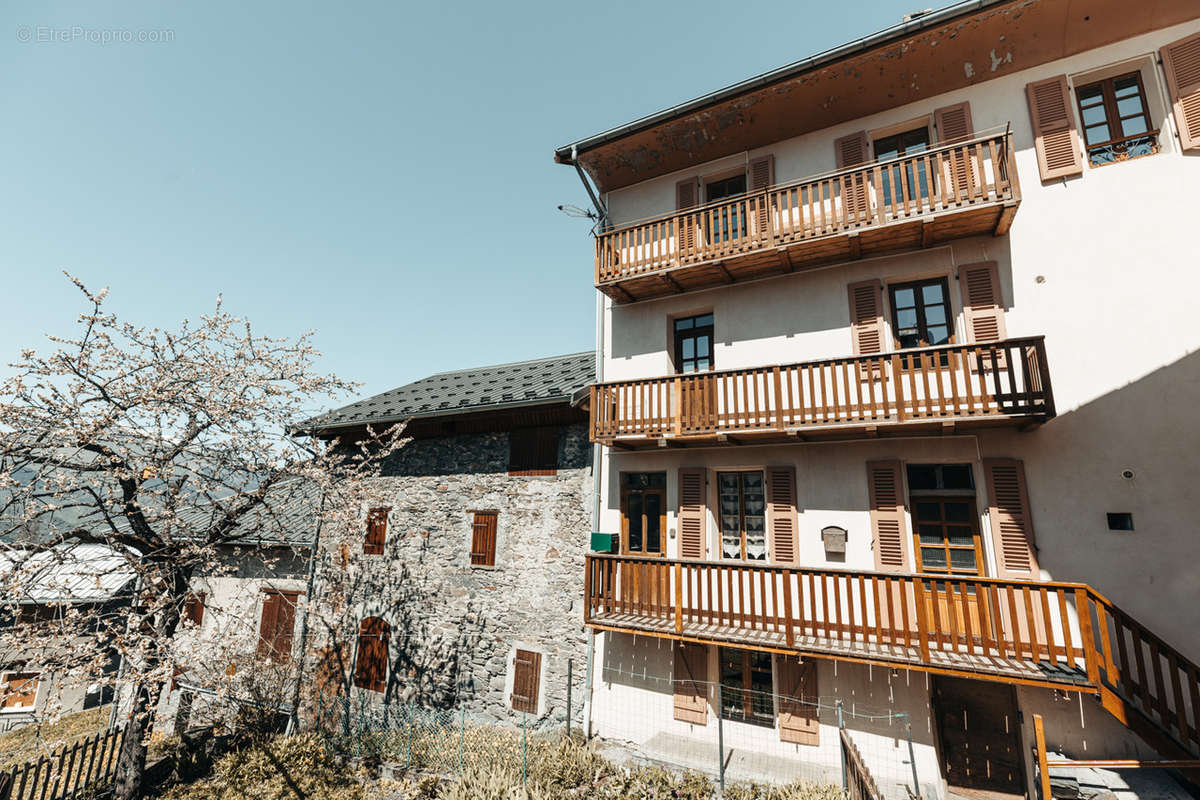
(1129, 105)
(689, 347)
(960, 537)
(905, 298)
(931, 534)
(958, 512)
(1091, 94)
(1093, 115)
(704, 320)
(684, 324)
(1125, 86)
(922, 476)
(939, 334)
(929, 512)
(932, 292)
(962, 559)
(702, 346)
(653, 503)
(935, 315)
(701, 364)
(957, 476)
(1097, 134)
(1133, 126)
(906, 318)
(933, 557)
(635, 522)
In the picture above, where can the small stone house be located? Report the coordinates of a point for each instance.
(465, 587)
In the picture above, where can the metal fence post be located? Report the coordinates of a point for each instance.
(912, 759)
(345, 704)
(362, 720)
(842, 744)
(319, 698)
(462, 733)
(720, 743)
(410, 735)
(524, 748)
(569, 665)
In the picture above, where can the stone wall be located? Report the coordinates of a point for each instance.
(454, 627)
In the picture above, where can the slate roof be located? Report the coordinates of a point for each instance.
(522, 383)
(78, 573)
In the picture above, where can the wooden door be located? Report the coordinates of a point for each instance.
(643, 533)
(946, 541)
(979, 734)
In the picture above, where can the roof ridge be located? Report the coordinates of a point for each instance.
(505, 364)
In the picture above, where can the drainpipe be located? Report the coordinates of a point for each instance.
(597, 449)
(294, 717)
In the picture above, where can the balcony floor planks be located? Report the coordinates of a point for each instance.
(897, 235)
(1011, 670)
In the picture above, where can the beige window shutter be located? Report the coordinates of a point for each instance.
(1055, 136)
(866, 317)
(691, 690)
(1012, 524)
(885, 490)
(798, 722)
(760, 175)
(852, 151)
(983, 309)
(692, 513)
(687, 196)
(1181, 63)
(954, 125)
(781, 514)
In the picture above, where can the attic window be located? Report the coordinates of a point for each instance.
(533, 451)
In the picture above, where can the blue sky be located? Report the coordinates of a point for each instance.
(378, 172)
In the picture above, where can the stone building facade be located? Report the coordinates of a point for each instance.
(470, 564)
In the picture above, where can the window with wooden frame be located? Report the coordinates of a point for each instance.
(18, 690)
(644, 513)
(945, 520)
(193, 608)
(371, 657)
(727, 221)
(747, 686)
(376, 537)
(533, 451)
(693, 343)
(278, 624)
(483, 539)
(903, 183)
(1116, 119)
(741, 514)
(527, 669)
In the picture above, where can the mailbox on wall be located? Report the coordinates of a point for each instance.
(605, 542)
(834, 539)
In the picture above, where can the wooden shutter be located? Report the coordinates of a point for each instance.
(377, 519)
(852, 151)
(760, 175)
(866, 317)
(20, 689)
(687, 196)
(277, 625)
(1054, 134)
(885, 490)
(193, 609)
(781, 513)
(483, 539)
(371, 661)
(1181, 63)
(692, 513)
(1011, 522)
(527, 666)
(954, 125)
(691, 687)
(798, 721)
(983, 309)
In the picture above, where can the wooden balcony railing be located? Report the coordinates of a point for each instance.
(1030, 632)
(950, 191)
(1006, 380)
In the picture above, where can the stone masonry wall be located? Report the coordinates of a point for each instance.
(454, 627)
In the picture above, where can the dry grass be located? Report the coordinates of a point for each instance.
(38, 739)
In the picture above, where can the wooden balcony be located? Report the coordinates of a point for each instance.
(949, 192)
(1051, 634)
(934, 390)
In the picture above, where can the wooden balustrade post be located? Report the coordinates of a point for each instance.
(588, 566)
(922, 620)
(677, 406)
(778, 399)
(789, 634)
(898, 387)
(678, 598)
(1039, 737)
(1090, 657)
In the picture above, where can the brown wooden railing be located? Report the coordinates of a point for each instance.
(860, 784)
(1025, 631)
(70, 771)
(1007, 378)
(949, 177)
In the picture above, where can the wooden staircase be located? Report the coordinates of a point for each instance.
(1040, 633)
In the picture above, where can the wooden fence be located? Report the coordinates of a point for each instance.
(859, 783)
(67, 772)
